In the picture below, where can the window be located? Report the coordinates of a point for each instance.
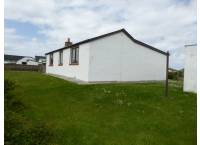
(60, 58)
(74, 55)
(51, 59)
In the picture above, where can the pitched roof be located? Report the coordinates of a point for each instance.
(190, 45)
(39, 57)
(172, 69)
(12, 57)
(109, 34)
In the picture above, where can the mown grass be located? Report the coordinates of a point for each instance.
(108, 114)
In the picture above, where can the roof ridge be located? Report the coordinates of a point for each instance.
(108, 34)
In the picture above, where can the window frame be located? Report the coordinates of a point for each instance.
(51, 59)
(76, 59)
(60, 60)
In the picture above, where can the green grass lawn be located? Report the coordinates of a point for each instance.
(108, 114)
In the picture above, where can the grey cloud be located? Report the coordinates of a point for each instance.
(165, 24)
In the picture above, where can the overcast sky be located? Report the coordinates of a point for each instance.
(33, 27)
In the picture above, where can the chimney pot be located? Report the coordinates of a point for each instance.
(68, 43)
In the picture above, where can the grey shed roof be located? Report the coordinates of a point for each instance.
(13, 57)
(39, 57)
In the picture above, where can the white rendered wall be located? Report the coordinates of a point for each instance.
(75, 71)
(9, 61)
(32, 62)
(117, 58)
(24, 59)
(190, 69)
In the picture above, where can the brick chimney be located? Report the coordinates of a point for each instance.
(68, 43)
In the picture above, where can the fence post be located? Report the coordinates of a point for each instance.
(166, 81)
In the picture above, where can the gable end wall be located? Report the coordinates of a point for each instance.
(117, 58)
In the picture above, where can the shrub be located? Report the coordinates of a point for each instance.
(21, 131)
(11, 102)
(8, 86)
(18, 129)
(173, 75)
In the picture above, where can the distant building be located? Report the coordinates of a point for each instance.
(40, 59)
(24, 60)
(172, 70)
(190, 70)
(27, 61)
(12, 59)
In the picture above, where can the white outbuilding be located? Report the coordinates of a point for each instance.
(190, 68)
(112, 57)
(27, 61)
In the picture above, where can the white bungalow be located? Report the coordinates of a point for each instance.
(115, 56)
